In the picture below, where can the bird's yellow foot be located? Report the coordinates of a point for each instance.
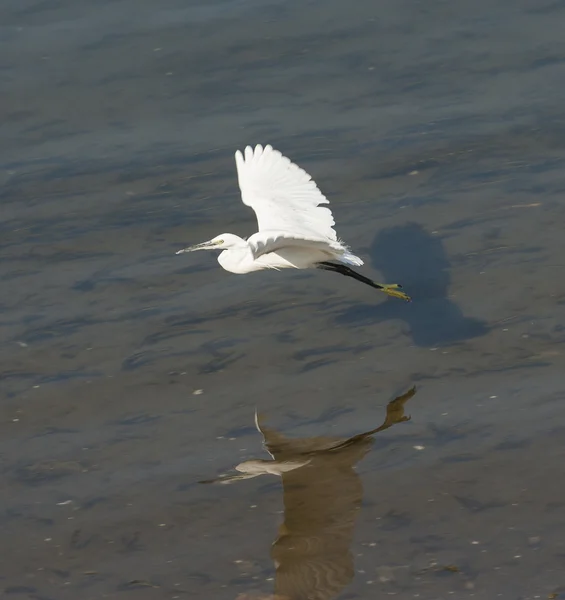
(392, 289)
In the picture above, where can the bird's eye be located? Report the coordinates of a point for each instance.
(219, 242)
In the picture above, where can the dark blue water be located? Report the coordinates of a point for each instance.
(128, 374)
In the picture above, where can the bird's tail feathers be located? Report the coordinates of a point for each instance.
(350, 259)
(347, 257)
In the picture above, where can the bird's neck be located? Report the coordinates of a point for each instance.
(237, 259)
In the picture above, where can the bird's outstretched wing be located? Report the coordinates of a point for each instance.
(283, 196)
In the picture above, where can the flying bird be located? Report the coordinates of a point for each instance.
(295, 232)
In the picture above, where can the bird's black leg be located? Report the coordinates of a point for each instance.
(344, 270)
(391, 289)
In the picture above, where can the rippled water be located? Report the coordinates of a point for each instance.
(130, 374)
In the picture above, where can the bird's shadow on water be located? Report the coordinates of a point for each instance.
(409, 255)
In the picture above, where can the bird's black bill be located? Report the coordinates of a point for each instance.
(203, 246)
(392, 289)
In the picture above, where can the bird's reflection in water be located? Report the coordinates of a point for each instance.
(322, 495)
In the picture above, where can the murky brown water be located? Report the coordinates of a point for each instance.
(436, 129)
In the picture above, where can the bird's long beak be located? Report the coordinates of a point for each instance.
(203, 246)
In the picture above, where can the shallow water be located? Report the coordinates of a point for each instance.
(437, 131)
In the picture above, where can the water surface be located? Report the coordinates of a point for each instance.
(129, 374)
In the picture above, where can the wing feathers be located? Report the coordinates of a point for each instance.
(266, 241)
(283, 196)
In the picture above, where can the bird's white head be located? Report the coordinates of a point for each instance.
(224, 241)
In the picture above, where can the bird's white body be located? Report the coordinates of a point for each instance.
(255, 254)
(295, 232)
(242, 260)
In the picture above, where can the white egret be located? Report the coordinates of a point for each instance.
(294, 230)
